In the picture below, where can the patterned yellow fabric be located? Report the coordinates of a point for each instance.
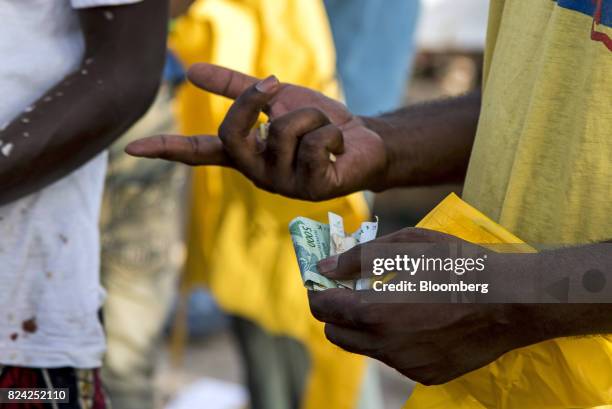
(239, 245)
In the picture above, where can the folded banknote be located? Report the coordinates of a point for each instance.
(313, 241)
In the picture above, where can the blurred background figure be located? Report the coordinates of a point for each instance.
(238, 242)
(451, 42)
(72, 81)
(238, 245)
(143, 251)
(374, 51)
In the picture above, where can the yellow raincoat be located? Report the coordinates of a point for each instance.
(239, 245)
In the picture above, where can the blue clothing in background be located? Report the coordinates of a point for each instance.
(374, 48)
(174, 73)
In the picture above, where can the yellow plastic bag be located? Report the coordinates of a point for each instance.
(559, 373)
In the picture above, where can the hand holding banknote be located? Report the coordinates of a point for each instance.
(428, 342)
(314, 241)
(313, 147)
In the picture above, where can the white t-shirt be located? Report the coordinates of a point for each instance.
(50, 290)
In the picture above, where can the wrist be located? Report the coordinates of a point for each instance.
(573, 316)
(531, 322)
(385, 177)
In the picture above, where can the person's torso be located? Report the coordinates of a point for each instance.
(49, 250)
(542, 160)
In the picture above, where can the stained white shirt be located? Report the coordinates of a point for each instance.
(50, 289)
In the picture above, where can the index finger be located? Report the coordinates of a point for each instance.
(192, 150)
(220, 80)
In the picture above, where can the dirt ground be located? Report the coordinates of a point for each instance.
(217, 358)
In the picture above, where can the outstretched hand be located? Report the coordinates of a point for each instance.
(294, 160)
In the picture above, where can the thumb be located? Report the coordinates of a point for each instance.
(220, 80)
(343, 266)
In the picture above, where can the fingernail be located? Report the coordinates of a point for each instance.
(328, 265)
(267, 85)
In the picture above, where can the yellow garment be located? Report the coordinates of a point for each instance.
(239, 245)
(542, 160)
(561, 373)
(541, 167)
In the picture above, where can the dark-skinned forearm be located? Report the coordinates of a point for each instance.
(85, 112)
(429, 143)
(587, 312)
(69, 125)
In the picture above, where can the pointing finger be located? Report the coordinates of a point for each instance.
(194, 150)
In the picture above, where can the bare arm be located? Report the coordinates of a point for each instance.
(84, 113)
(429, 143)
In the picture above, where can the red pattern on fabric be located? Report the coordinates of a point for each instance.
(14, 377)
(99, 398)
(19, 377)
(599, 35)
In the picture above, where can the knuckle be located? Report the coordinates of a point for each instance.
(314, 113)
(252, 97)
(195, 145)
(224, 129)
(230, 81)
(310, 143)
(165, 153)
(334, 132)
(311, 151)
(277, 128)
(277, 161)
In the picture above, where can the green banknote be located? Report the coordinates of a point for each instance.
(314, 241)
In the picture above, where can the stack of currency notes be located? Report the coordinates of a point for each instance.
(314, 241)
